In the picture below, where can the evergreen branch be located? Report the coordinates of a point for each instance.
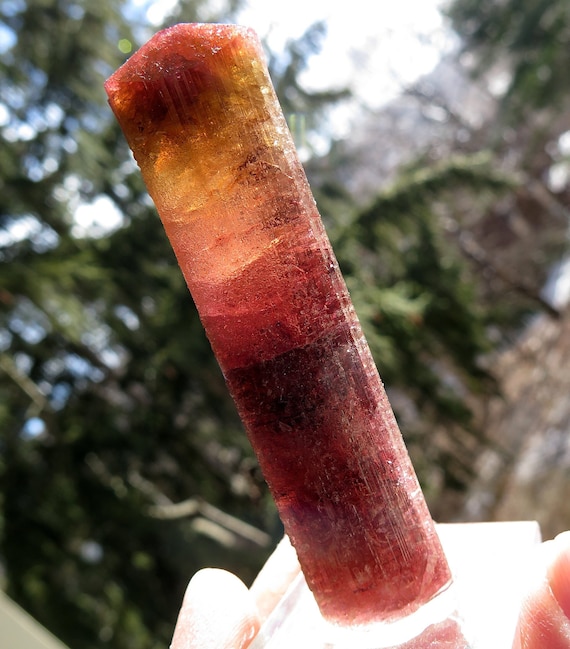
(197, 506)
(164, 509)
(476, 253)
(220, 525)
(25, 383)
(417, 187)
(544, 197)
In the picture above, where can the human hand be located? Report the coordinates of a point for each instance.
(219, 612)
(544, 621)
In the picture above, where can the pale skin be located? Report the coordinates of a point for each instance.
(220, 612)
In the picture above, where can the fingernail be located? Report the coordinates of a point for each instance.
(559, 572)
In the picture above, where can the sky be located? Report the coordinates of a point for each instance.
(373, 46)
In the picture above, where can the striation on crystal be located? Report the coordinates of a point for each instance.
(199, 112)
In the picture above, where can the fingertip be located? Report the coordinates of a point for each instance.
(559, 572)
(544, 622)
(217, 612)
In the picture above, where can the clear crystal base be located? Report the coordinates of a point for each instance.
(479, 610)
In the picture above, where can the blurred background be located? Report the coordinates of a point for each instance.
(436, 137)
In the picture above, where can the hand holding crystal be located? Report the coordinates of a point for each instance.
(219, 612)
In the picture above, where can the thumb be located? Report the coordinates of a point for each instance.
(218, 612)
(545, 615)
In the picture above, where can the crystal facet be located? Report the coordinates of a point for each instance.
(199, 112)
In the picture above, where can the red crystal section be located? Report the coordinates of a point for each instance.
(198, 109)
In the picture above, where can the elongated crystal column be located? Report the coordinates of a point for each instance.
(199, 112)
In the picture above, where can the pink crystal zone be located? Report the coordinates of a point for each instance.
(201, 116)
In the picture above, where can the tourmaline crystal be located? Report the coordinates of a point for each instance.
(199, 112)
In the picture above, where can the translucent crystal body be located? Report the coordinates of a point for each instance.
(199, 112)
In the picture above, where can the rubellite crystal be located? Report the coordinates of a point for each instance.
(199, 112)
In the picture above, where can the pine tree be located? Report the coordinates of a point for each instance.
(529, 39)
(103, 364)
(124, 467)
(114, 414)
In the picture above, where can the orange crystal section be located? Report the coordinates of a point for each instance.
(200, 114)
